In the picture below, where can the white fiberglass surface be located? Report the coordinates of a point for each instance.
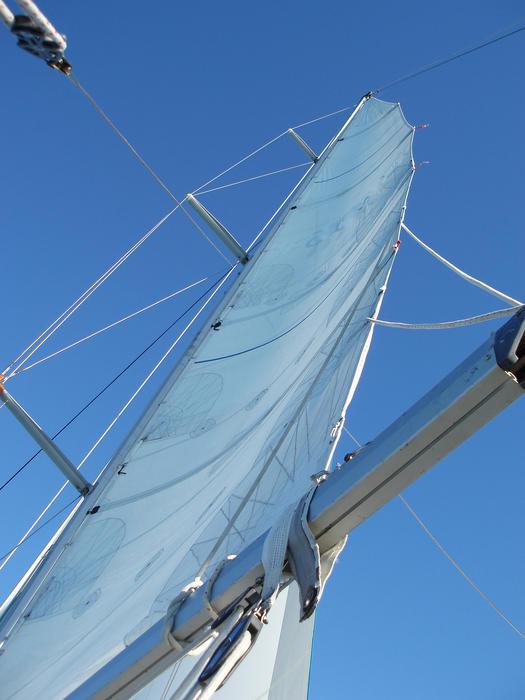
(257, 408)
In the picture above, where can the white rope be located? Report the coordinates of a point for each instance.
(111, 325)
(463, 275)
(159, 363)
(448, 324)
(53, 327)
(256, 177)
(353, 438)
(456, 566)
(142, 161)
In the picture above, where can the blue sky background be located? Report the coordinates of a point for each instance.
(194, 88)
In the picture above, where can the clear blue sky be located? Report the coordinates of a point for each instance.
(194, 88)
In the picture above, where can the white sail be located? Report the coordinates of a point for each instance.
(253, 409)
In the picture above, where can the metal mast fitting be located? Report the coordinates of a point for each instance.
(45, 442)
(36, 34)
(221, 231)
(306, 148)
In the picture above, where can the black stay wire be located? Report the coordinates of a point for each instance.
(116, 377)
(453, 57)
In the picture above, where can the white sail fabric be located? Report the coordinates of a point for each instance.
(254, 408)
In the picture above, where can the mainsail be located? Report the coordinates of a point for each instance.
(252, 410)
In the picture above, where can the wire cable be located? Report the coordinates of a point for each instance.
(456, 566)
(142, 161)
(458, 54)
(115, 378)
(159, 363)
(448, 556)
(111, 325)
(256, 177)
(242, 160)
(28, 536)
(53, 327)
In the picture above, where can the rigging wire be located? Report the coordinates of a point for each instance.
(46, 522)
(448, 556)
(53, 327)
(159, 363)
(436, 64)
(143, 162)
(492, 39)
(256, 177)
(115, 378)
(218, 284)
(242, 160)
(111, 325)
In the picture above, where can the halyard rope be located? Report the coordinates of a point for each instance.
(25, 537)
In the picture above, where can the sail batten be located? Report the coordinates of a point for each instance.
(252, 410)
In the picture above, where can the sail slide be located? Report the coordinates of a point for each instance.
(250, 412)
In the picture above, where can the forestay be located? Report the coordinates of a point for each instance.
(255, 407)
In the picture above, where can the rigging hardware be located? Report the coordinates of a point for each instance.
(36, 35)
(219, 229)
